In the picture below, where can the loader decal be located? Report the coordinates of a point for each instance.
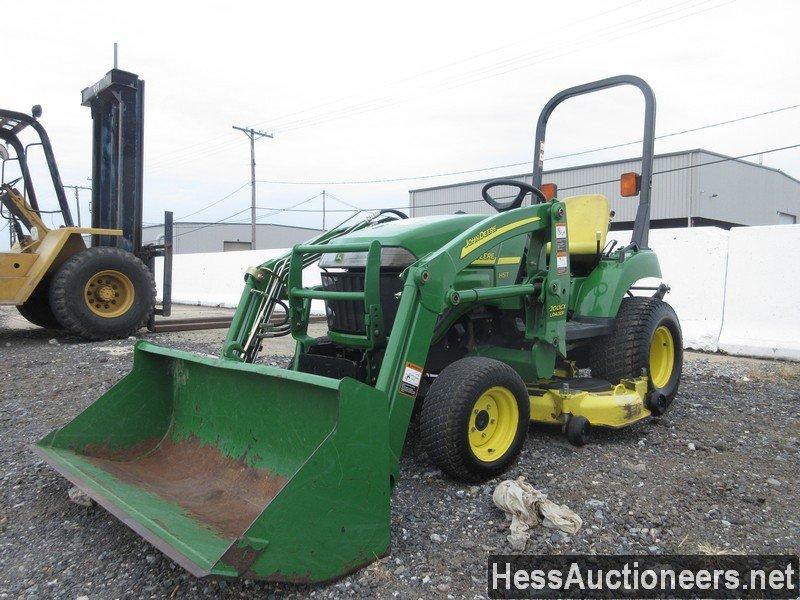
(487, 235)
(562, 262)
(487, 258)
(412, 375)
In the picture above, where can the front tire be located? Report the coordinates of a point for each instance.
(103, 293)
(647, 336)
(475, 419)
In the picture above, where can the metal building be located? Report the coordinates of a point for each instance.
(693, 187)
(191, 237)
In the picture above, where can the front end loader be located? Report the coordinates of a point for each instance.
(478, 324)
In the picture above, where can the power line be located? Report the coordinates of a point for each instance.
(527, 162)
(365, 106)
(444, 204)
(342, 201)
(280, 210)
(459, 79)
(177, 235)
(572, 49)
(279, 118)
(225, 219)
(442, 67)
(214, 203)
(574, 187)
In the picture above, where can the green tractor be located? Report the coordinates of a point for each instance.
(478, 324)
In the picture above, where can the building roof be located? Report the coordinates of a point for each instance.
(606, 163)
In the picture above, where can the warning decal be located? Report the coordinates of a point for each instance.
(412, 375)
(561, 230)
(561, 263)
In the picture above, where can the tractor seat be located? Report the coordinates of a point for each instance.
(587, 219)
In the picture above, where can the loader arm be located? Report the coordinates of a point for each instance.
(265, 288)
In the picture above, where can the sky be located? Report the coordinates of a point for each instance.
(357, 91)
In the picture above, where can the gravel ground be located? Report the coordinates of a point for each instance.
(718, 473)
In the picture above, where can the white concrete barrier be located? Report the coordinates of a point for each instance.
(217, 278)
(733, 291)
(761, 316)
(693, 265)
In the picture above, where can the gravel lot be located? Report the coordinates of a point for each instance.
(718, 473)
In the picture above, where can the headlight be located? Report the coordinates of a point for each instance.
(398, 258)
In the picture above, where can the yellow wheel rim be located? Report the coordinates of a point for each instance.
(109, 294)
(493, 424)
(662, 356)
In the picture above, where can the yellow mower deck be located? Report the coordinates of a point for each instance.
(617, 406)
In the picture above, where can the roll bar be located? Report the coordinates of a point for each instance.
(11, 124)
(641, 226)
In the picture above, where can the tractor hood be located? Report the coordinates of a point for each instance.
(403, 241)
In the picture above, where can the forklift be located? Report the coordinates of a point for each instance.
(93, 282)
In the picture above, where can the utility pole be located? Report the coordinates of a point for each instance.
(253, 134)
(323, 210)
(77, 199)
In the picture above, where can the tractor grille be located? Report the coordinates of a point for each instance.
(347, 316)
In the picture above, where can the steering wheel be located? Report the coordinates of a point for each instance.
(524, 190)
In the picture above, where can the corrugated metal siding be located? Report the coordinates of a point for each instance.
(746, 194)
(753, 195)
(189, 238)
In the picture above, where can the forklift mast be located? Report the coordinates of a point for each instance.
(117, 105)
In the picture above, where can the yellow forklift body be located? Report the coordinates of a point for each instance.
(22, 269)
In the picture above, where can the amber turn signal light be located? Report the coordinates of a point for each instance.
(629, 184)
(549, 190)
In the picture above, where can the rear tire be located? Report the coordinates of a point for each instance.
(475, 419)
(647, 336)
(36, 309)
(103, 293)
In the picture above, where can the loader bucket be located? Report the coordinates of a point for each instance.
(237, 469)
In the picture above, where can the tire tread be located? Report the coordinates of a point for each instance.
(624, 353)
(64, 278)
(441, 425)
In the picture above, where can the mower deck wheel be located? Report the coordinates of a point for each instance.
(578, 428)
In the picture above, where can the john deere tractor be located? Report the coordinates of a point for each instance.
(479, 324)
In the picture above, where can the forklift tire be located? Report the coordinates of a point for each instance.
(475, 418)
(578, 429)
(36, 309)
(103, 293)
(647, 337)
